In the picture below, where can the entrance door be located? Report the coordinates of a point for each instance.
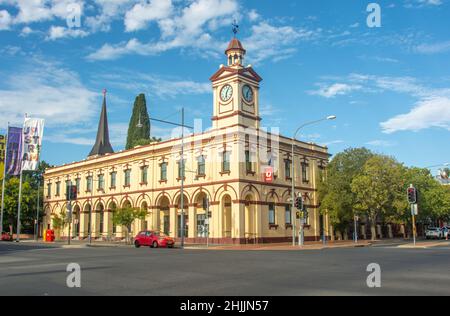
(166, 224)
(201, 225)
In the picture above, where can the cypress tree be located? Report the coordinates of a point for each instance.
(139, 135)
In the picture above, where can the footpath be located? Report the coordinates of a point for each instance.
(392, 243)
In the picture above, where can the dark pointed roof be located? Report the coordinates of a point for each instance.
(102, 145)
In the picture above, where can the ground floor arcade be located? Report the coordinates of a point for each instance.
(237, 214)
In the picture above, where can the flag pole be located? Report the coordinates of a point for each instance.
(4, 179)
(20, 190)
(19, 207)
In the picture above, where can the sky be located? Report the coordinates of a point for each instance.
(388, 85)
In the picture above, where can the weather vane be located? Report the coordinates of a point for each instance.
(235, 27)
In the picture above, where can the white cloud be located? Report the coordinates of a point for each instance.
(380, 143)
(433, 48)
(162, 87)
(44, 89)
(187, 27)
(253, 15)
(429, 112)
(26, 31)
(58, 32)
(271, 42)
(5, 20)
(30, 11)
(335, 90)
(138, 17)
(432, 108)
(109, 11)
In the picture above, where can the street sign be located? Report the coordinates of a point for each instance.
(268, 174)
(415, 210)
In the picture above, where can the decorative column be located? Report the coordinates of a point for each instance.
(173, 221)
(192, 215)
(238, 220)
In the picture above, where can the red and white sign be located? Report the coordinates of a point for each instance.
(268, 174)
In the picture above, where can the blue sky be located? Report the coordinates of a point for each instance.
(389, 86)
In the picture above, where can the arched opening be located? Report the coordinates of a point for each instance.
(200, 221)
(143, 224)
(112, 207)
(163, 215)
(99, 220)
(180, 214)
(87, 220)
(76, 221)
(47, 219)
(226, 216)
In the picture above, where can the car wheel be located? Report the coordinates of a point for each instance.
(136, 244)
(155, 244)
(171, 246)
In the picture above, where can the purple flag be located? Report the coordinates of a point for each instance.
(14, 154)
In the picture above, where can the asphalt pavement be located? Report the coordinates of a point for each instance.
(30, 269)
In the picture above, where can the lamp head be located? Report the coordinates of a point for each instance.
(331, 117)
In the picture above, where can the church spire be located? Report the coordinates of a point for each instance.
(102, 145)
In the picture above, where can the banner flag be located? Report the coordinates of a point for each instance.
(33, 130)
(14, 151)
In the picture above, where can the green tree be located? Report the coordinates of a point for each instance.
(30, 194)
(334, 187)
(446, 172)
(126, 216)
(378, 188)
(139, 128)
(28, 206)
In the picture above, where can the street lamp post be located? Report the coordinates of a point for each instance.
(301, 241)
(183, 126)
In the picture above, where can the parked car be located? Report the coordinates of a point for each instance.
(433, 233)
(7, 236)
(153, 239)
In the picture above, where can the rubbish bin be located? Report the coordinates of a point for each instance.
(50, 235)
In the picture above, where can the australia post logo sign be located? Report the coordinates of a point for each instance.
(268, 174)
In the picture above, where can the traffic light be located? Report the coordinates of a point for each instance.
(299, 203)
(412, 195)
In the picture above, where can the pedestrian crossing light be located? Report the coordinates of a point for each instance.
(299, 203)
(412, 195)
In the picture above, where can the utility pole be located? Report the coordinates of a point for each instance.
(36, 229)
(182, 179)
(182, 125)
(355, 234)
(3, 181)
(412, 200)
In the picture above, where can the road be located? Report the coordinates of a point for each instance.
(38, 270)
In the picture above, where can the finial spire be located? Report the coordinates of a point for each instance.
(235, 27)
(102, 145)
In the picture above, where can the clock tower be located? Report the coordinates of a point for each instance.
(236, 91)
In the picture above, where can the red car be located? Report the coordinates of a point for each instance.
(153, 239)
(7, 237)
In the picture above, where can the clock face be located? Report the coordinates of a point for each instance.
(226, 93)
(247, 93)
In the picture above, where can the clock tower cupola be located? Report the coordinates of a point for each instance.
(236, 90)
